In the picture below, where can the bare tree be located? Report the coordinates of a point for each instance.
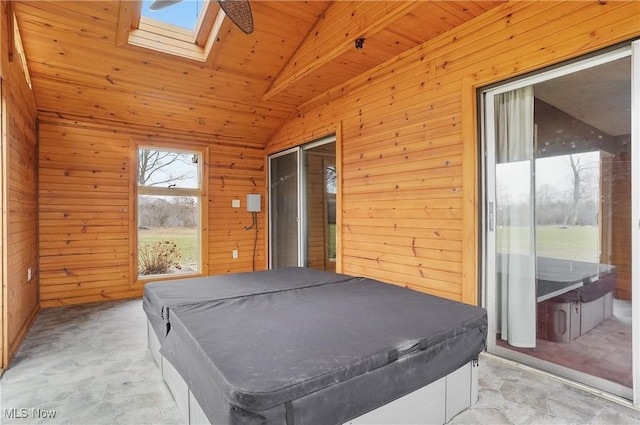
(551, 205)
(584, 186)
(160, 212)
(504, 202)
(332, 179)
(187, 211)
(157, 167)
(574, 173)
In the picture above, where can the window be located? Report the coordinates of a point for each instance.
(184, 14)
(187, 29)
(170, 193)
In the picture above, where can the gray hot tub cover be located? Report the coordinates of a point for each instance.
(160, 297)
(318, 354)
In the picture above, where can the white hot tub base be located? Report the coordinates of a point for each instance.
(436, 403)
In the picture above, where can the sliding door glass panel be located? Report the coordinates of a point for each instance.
(283, 203)
(302, 199)
(320, 206)
(635, 211)
(561, 249)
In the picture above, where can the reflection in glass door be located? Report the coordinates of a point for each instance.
(558, 246)
(302, 213)
(283, 210)
(320, 205)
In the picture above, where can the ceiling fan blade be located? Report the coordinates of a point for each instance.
(239, 11)
(161, 4)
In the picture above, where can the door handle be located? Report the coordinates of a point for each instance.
(491, 216)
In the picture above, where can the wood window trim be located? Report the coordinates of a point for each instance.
(203, 150)
(470, 222)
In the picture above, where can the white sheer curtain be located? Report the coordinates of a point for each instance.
(515, 260)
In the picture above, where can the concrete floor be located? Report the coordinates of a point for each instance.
(89, 364)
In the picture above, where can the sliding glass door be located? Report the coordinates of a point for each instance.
(558, 218)
(283, 210)
(302, 199)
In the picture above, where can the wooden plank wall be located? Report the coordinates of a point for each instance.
(86, 220)
(409, 137)
(84, 215)
(234, 172)
(20, 302)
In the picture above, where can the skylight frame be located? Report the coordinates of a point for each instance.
(156, 35)
(19, 49)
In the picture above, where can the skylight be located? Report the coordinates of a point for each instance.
(186, 28)
(183, 14)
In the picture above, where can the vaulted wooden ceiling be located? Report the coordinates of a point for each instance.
(251, 83)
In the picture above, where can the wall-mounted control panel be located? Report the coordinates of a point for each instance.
(253, 202)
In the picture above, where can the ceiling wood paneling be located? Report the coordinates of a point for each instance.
(250, 84)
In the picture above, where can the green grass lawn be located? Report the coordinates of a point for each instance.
(332, 241)
(186, 241)
(571, 242)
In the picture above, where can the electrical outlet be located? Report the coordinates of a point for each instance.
(29, 274)
(235, 203)
(234, 253)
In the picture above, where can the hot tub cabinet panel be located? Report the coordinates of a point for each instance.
(559, 322)
(565, 317)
